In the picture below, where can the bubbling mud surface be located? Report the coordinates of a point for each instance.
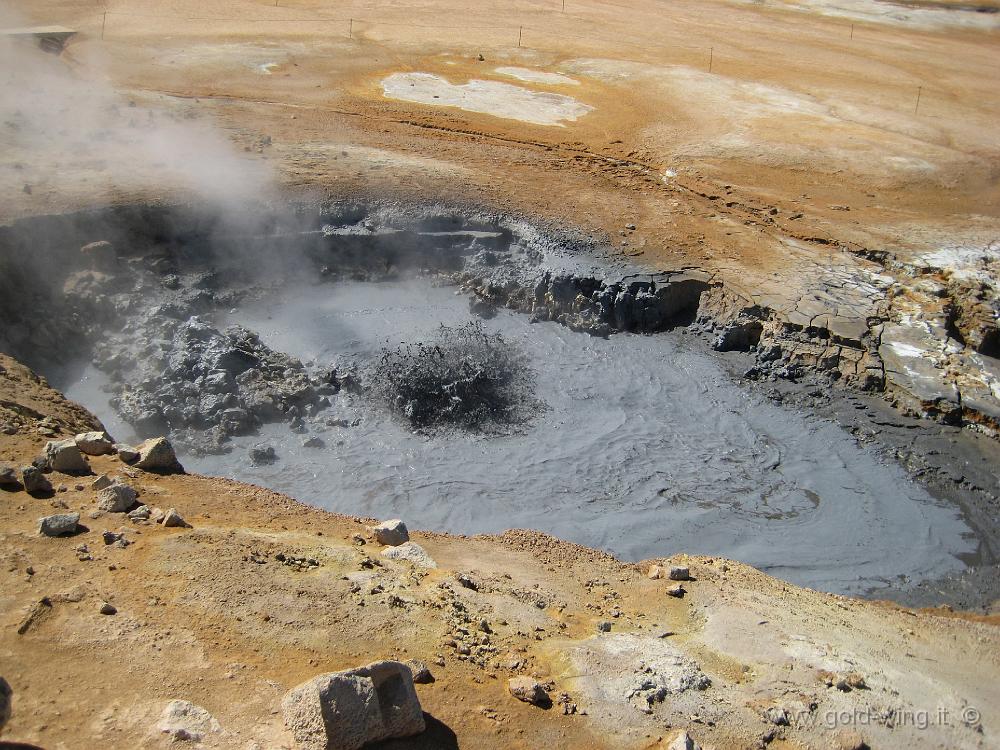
(645, 447)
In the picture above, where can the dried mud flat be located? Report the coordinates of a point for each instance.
(830, 170)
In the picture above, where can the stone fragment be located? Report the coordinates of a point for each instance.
(157, 454)
(108, 609)
(116, 498)
(528, 690)
(58, 524)
(101, 482)
(35, 482)
(604, 627)
(347, 710)
(421, 673)
(679, 573)
(183, 720)
(94, 443)
(466, 581)
(64, 456)
(173, 518)
(655, 572)
(126, 453)
(8, 477)
(263, 454)
(411, 552)
(391, 533)
(676, 591)
(142, 513)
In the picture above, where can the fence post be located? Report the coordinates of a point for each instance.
(852, 31)
(350, 30)
(104, 23)
(520, 29)
(711, 58)
(917, 105)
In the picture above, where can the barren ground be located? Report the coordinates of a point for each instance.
(771, 143)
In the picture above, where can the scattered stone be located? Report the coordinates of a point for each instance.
(101, 482)
(64, 456)
(851, 681)
(35, 482)
(126, 453)
(604, 626)
(349, 709)
(8, 477)
(777, 716)
(157, 454)
(466, 582)
(850, 739)
(8, 429)
(5, 695)
(263, 454)
(94, 443)
(683, 741)
(411, 552)
(655, 572)
(116, 498)
(391, 533)
(142, 513)
(528, 690)
(116, 538)
(421, 673)
(59, 524)
(313, 442)
(630, 227)
(677, 592)
(183, 720)
(108, 609)
(679, 573)
(173, 518)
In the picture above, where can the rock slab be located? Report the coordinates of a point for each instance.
(64, 456)
(116, 498)
(94, 443)
(59, 524)
(412, 553)
(347, 710)
(391, 533)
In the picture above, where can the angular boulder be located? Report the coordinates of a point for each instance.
(173, 518)
(412, 553)
(528, 690)
(35, 482)
(64, 456)
(94, 443)
(8, 477)
(116, 498)
(58, 525)
(391, 533)
(157, 454)
(347, 710)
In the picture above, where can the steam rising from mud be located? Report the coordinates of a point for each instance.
(65, 128)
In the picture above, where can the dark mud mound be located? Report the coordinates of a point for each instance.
(466, 377)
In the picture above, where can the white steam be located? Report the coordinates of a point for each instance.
(66, 137)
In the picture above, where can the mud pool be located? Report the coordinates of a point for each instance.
(646, 447)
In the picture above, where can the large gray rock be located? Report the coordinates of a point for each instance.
(64, 456)
(35, 482)
(94, 443)
(59, 524)
(116, 498)
(157, 454)
(5, 700)
(391, 533)
(412, 553)
(349, 709)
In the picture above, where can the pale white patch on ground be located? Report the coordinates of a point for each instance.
(965, 262)
(488, 97)
(906, 350)
(893, 14)
(265, 68)
(537, 76)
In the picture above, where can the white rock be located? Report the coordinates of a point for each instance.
(116, 498)
(183, 720)
(157, 454)
(349, 709)
(65, 457)
(94, 443)
(391, 533)
(683, 741)
(411, 552)
(173, 518)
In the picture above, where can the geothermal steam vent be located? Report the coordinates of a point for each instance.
(462, 372)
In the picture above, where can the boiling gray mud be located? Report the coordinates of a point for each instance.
(645, 447)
